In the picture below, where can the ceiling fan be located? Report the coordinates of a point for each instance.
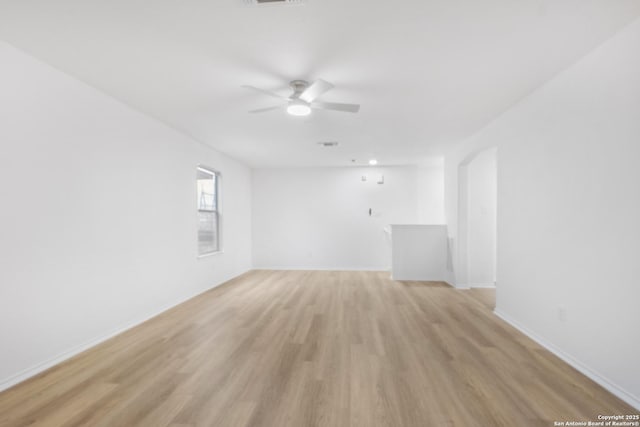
(304, 99)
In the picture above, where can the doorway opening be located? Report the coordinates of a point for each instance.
(477, 224)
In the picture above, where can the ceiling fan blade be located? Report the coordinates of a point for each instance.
(262, 110)
(314, 91)
(349, 108)
(265, 92)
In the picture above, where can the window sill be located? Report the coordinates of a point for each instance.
(210, 254)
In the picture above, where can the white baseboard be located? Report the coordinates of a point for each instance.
(418, 279)
(25, 374)
(483, 285)
(585, 370)
(462, 286)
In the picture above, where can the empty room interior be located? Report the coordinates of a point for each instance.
(358, 213)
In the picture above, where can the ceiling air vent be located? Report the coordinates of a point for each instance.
(328, 143)
(272, 2)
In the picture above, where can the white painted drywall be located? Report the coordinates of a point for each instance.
(97, 216)
(568, 209)
(430, 197)
(419, 252)
(319, 218)
(481, 205)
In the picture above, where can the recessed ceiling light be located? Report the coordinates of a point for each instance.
(298, 108)
(373, 162)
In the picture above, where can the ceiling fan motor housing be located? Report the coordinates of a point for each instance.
(298, 87)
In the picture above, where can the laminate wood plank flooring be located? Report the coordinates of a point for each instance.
(311, 348)
(486, 296)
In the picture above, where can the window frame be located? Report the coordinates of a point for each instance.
(217, 211)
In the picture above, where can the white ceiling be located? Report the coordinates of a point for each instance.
(426, 72)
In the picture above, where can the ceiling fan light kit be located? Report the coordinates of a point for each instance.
(304, 99)
(298, 108)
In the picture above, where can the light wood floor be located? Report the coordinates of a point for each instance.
(486, 296)
(314, 349)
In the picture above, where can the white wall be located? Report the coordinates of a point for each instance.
(430, 198)
(319, 218)
(568, 209)
(97, 217)
(419, 252)
(481, 176)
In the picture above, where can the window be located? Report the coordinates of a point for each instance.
(208, 211)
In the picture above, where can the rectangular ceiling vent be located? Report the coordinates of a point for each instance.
(272, 2)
